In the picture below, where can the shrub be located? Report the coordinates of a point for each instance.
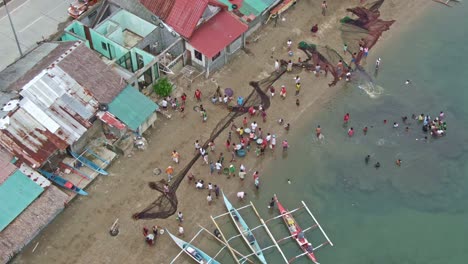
(163, 87)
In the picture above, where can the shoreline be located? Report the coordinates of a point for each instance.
(130, 240)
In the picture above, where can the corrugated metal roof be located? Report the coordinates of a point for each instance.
(110, 119)
(29, 140)
(6, 167)
(161, 8)
(185, 15)
(132, 107)
(89, 71)
(16, 193)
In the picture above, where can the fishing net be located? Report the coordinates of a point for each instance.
(165, 204)
(365, 30)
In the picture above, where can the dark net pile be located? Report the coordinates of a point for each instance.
(368, 26)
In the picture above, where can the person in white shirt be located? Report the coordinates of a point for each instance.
(268, 137)
(164, 104)
(210, 187)
(241, 195)
(209, 199)
(254, 126)
(181, 230)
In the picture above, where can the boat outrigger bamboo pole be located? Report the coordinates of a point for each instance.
(224, 238)
(281, 215)
(183, 250)
(225, 244)
(318, 224)
(269, 233)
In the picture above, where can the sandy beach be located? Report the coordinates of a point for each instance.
(80, 233)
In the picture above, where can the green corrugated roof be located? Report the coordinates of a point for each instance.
(16, 193)
(255, 7)
(132, 107)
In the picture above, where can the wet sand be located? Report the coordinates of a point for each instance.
(80, 234)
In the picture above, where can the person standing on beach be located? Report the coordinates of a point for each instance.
(254, 126)
(232, 170)
(277, 66)
(198, 95)
(211, 144)
(283, 92)
(170, 172)
(289, 66)
(345, 49)
(205, 159)
(181, 230)
(272, 91)
(298, 88)
(180, 217)
(218, 166)
(241, 195)
(216, 191)
(289, 44)
(324, 7)
(197, 146)
(209, 199)
(175, 156)
(212, 167)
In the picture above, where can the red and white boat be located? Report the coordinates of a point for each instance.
(298, 234)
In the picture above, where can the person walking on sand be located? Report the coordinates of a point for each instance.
(272, 91)
(180, 217)
(324, 7)
(297, 79)
(233, 154)
(205, 159)
(297, 102)
(289, 44)
(175, 156)
(181, 230)
(198, 95)
(209, 199)
(345, 48)
(298, 88)
(289, 67)
(283, 92)
(264, 115)
(211, 145)
(170, 172)
(197, 146)
(273, 143)
(277, 66)
(218, 166)
(317, 70)
(242, 174)
(216, 191)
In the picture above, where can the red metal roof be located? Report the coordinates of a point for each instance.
(216, 34)
(110, 119)
(161, 8)
(185, 15)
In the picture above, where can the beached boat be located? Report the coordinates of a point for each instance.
(296, 232)
(244, 230)
(195, 253)
(88, 163)
(63, 182)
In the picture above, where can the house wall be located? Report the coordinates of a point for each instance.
(148, 123)
(192, 55)
(129, 21)
(77, 28)
(117, 35)
(147, 58)
(116, 50)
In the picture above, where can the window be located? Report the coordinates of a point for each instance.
(216, 56)
(72, 30)
(104, 46)
(198, 55)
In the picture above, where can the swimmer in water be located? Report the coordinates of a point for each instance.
(407, 129)
(365, 130)
(395, 124)
(408, 82)
(367, 159)
(404, 118)
(289, 181)
(377, 165)
(398, 162)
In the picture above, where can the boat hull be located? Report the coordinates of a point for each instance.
(244, 230)
(89, 163)
(200, 257)
(63, 182)
(290, 221)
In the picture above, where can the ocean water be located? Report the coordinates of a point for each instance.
(416, 213)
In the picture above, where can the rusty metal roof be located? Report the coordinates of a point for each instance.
(89, 71)
(161, 8)
(6, 167)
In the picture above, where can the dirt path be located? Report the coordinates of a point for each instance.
(80, 234)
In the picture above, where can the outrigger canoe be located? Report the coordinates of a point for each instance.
(244, 230)
(88, 163)
(195, 253)
(63, 182)
(296, 232)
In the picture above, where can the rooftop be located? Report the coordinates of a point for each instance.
(225, 26)
(132, 107)
(16, 193)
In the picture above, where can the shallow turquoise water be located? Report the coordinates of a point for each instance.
(415, 213)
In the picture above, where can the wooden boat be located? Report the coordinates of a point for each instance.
(88, 163)
(195, 253)
(63, 182)
(244, 230)
(296, 232)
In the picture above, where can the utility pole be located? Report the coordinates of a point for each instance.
(13, 28)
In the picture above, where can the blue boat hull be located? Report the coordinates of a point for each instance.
(63, 182)
(89, 163)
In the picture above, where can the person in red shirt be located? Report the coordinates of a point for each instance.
(198, 95)
(346, 118)
(183, 97)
